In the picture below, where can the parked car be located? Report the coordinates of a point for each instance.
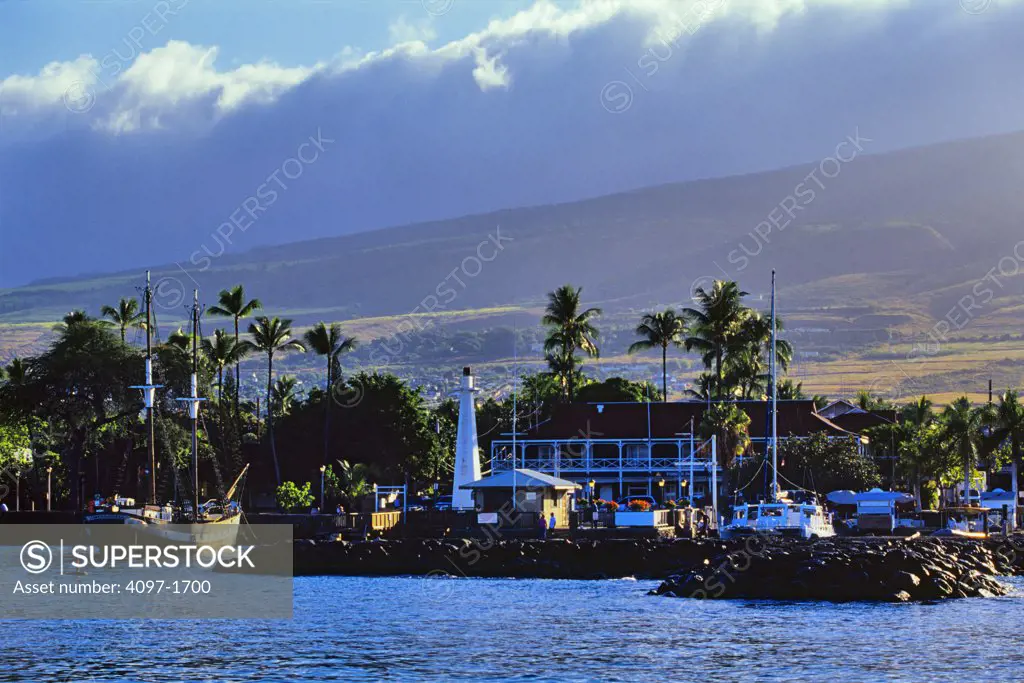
(443, 503)
(415, 504)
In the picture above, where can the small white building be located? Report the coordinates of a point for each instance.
(533, 492)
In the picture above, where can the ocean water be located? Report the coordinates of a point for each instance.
(437, 629)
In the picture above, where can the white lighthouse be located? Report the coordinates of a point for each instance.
(467, 451)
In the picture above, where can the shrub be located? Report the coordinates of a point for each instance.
(291, 498)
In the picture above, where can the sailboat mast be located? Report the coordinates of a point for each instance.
(194, 405)
(149, 392)
(775, 397)
(150, 421)
(515, 398)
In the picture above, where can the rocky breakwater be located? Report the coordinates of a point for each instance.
(552, 559)
(849, 570)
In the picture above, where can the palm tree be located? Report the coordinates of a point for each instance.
(716, 326)
(272, 336)
(284, 395)
(865, 400)
(354, 479)
(179, 340)
(918, 435)
(125, 315)
(1008, 427)
(704, 383)
(73, 318)
(569, 329)
(566, 372)
(747, 373)
(13, 397)
(919, 413)
(790, 390)
(231, 303)
(756, 335)
(329, 342)
(962, 429)
(659, 331)
(222, 352)
(748, 365)
(14, 372)
(730, 426)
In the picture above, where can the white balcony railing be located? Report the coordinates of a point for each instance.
(578, 456)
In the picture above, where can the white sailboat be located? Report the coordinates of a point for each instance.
(212, 523)
(786, 513)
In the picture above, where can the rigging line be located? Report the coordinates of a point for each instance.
(213, 460)
(801, 488)
(758, 471)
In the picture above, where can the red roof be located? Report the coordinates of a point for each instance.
(667, 420)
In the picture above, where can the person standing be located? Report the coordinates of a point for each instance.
(551, 522)
(542, 524)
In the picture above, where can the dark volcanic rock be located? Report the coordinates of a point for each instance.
(849, 569)
(831, 569)
(556, 558)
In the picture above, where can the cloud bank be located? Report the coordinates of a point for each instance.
(136, 156)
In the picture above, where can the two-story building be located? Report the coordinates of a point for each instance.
(649, 449)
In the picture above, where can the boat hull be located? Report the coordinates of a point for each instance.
(215, 533)
(731, 532)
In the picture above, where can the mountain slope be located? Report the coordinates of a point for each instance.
(917, 228)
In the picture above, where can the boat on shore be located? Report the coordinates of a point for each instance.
(967, 521)
(795, 514)
(783, 516)
(212, 523)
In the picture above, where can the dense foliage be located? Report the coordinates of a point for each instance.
(824, 464)
(71, 408)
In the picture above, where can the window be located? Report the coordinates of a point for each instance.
(636, 455)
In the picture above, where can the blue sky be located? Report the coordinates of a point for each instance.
(34, 33)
